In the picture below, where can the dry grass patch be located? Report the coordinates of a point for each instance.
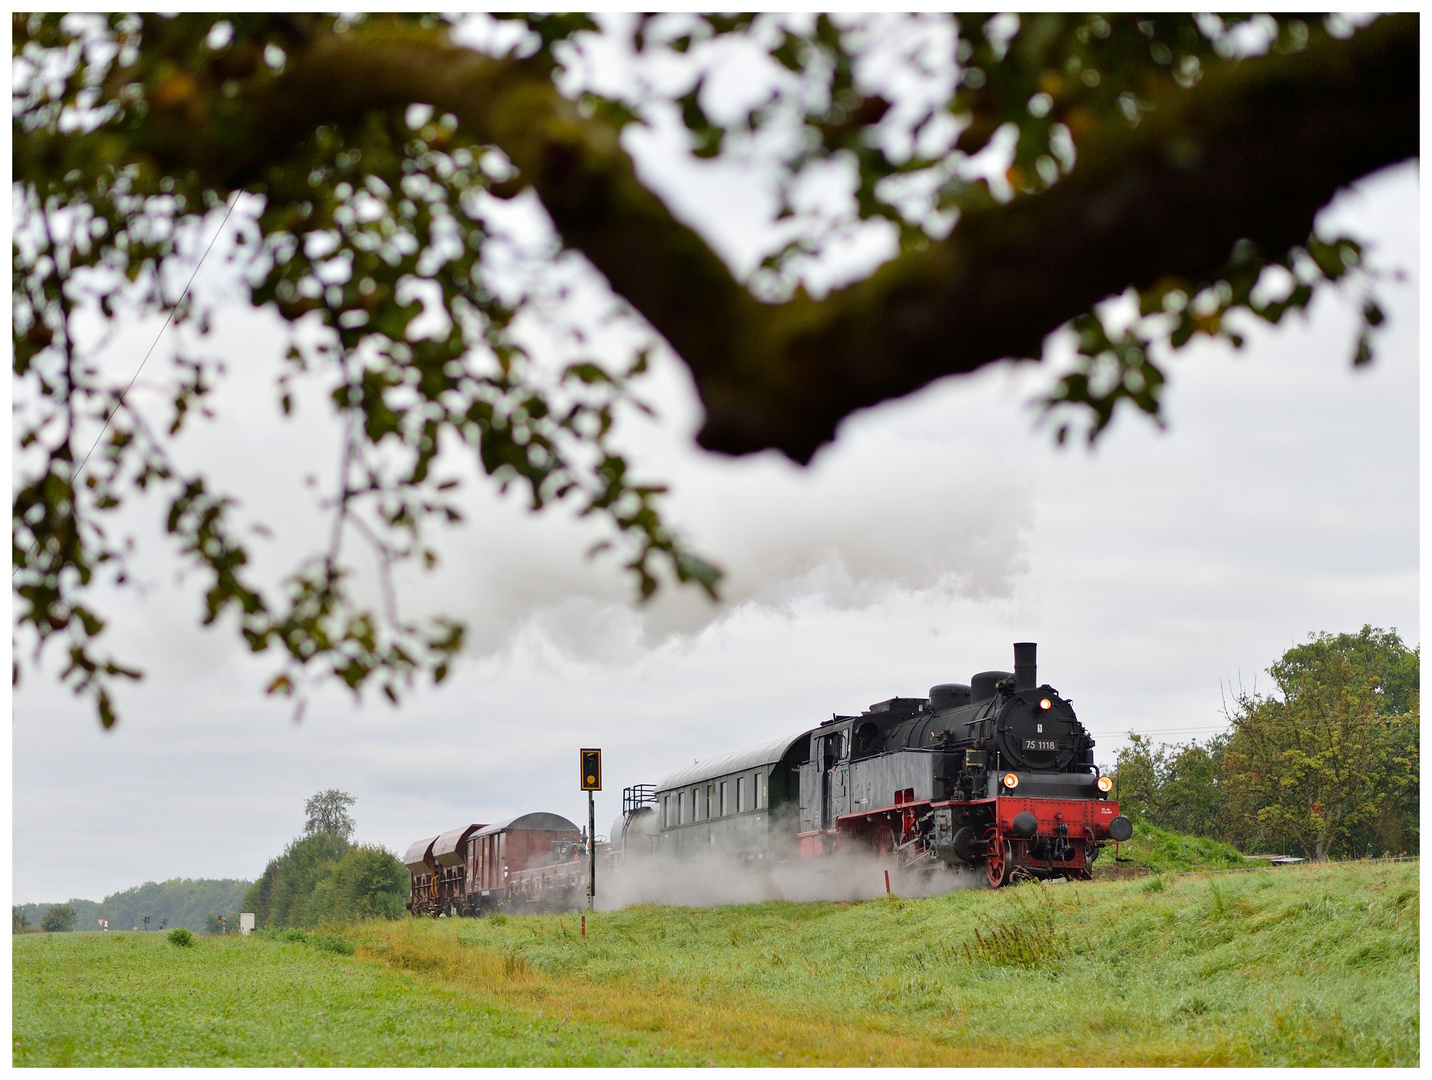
(730, 1030)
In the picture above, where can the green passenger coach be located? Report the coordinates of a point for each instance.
(743, 804)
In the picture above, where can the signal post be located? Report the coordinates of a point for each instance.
(591, 782)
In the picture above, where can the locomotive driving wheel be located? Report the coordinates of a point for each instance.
(998, 859)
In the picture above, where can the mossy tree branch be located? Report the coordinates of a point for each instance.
(1252, 153)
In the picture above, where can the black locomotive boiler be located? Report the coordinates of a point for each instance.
(997, 773)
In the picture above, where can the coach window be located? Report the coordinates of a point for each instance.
(707, 803)
(740, 793)
(725, 802)
(666, 810)
(759, 788)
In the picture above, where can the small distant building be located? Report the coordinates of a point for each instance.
(246, 923)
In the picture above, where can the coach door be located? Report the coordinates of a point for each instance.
(830, 752)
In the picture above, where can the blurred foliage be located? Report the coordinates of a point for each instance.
(1039, 85)
(371, 238)
(1328, 765)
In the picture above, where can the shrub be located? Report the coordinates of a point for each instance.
(323, 879)
(280, 894)
(181, 936)
(334, 943)
(368, 883)
(59, 918)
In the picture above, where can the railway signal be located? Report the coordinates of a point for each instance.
(591, 770)
(591, 781)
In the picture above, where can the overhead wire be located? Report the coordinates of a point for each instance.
(75, 476)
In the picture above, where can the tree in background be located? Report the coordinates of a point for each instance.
(1136, 778)
(278, 896)
(1191, 789)
(1173, 159)
(323, 877)
(177, 902)
(367, 883)
(59, 918)
(19, 921)
(1328, 763)
(328, 813)
(1177, 787)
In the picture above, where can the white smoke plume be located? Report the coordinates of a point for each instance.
(848, 538)
(717, 880)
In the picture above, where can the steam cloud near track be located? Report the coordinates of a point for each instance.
(711, 882)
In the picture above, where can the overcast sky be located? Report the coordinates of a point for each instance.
(1154, 572)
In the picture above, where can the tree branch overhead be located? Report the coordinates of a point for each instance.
(1144, 156)
(1251, 153)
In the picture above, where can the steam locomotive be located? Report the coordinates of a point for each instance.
(997, 773)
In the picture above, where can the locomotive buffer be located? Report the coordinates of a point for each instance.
(591, 781)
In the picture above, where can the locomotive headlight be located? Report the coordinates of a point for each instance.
(1045, 703)
(1105, 784)
(1011, 781)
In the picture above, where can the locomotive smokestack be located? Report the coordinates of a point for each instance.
(1024, 667)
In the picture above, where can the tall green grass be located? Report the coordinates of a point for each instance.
(1162, 851)
(92, 999)
(1288, 966)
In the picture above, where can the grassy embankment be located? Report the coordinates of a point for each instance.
(1293, 966)
(1159, 851)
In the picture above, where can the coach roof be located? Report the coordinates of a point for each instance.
(753, 757)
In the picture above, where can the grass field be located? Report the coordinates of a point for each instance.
(1289, 966)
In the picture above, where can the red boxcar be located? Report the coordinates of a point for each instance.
(533, 862)
(419, 861)
(499, 851)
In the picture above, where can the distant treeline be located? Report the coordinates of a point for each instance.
(321, 877)
(1325, 766)
(179, 902)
